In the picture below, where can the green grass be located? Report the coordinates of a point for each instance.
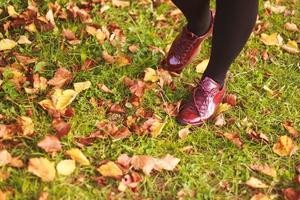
(214, 159)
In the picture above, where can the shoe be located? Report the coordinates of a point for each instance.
(202, 104)
(184, 48)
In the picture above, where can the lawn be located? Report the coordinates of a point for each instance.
(216, 161)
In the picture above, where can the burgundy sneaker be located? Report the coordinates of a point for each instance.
(184, 48)
(202, 104)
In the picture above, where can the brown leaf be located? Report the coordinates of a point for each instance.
(183, 133)
(108, 58)
(256, 183)
(121, 134)
(50, 144)
(104, 88)
(116, 108)
(291, 27)
(68, 34)
(285, 146)
(234, 138)
(291, 194)
(136, 87)
(260, 196)
(26, 125)
(288, 125)
(230, 99)
(133, 48)
(124, 160)
(265, 169)
(16, 162)
(257, 136)
(61, 127)
(42, 168)
(61, 77)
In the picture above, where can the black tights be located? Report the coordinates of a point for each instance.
(233, 24)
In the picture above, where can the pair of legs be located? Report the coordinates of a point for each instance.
(233, 24)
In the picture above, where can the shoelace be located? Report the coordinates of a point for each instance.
(187, 43)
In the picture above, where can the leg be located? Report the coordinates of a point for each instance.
(233, 25)
(197, 14)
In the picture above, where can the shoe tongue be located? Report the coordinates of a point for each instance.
(208, 84)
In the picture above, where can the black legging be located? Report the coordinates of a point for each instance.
(233, 24)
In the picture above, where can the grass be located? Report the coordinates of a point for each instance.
(214, 159)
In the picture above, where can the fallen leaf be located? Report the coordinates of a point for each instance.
(285, 146)
(122, 60)
(133, 48)
(291, 47)
(183, 133)
(274, 8)
(265, 169)
(230, 99)
(16, 162)
(42, 168)
(63, 98)
(68, 34)
(61, 127)
(66, 167)
(44, 196)
(234, 138)
(26, 125)
(288, 125)
(5, 158)
(223, 107)
(104, 88)
(110, 169)
(124, 160)
(80, 86)
(108, 58)
(24, 40)
(220, 120)
(78, 156)
(31, 28)
(256, 183)
(257, 136)
(260, 196)
(61, 77)
(167, 163)
(150, 75)
(273, 39)
(6, 44)
(120, 3)
(50, 144)
(291, 27)
(11, 11)
(291, 194)
(200, 68)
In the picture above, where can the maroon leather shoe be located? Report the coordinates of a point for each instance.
(202, 104)
(184, 48)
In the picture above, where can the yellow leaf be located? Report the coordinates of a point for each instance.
(80, 86)
(7, 44)
(223, 107)
(78, 156)
(273, 39)
(291, 47)
(91, 30)
(100, 35)
(110, 169)
(285, 146)
(66, 167)
(31, 28)
(200, 68)
(42, 168)
(150, 75)
(11, 11)
(156, 128)
(26, 125)
(256, 183)
(24, 40)
(62, 98)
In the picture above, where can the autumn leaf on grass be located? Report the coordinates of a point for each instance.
(63, 98)
(167, 163)
(291, 27)
(120, 3)
(291, 194)
(285, 146)
(152, 126)
(265, 169)
(260, 196)
(80, 86)
(150, 75)
(234, 138)
(136, 87)
(11, 11)
(104, 88)
(5, 158)
(288, 125)
(273, 39)
(61, 127)
(66, 167)
(6, 44)
(291, 47)
(130, 180)
(256, 183)
(78, 156)
(42, 168)
(256, 136)
(223, 107)
(200, 68)
(61, 77)
(110, 169)
(24, 40)
(50, 144)
(26, 125)
(274, 7)
(230, 99)
(183, 133)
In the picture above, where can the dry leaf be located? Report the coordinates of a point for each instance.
(265, 169)
(273, 39)
(26, 124)
(291, 27)
(260, 196)
(78, 156)
(133, 48)
(6, 44)
(63, 98)
(156, 128)
(5, 158)
(66, 167)
(234, 138)
(120, 3)
(108, 58)
(61, 77)
(150, 75)
(167, 163)
(256, 183)
(50, 144)
(285, 146)
(104, 88)
(80, 86)
(200, 68)
(288, 125)
(61, 127)
(31, 28)
(44, 196)
(16, 162)
(274, 8)
(110, 169)
(230, 99)
(220, 120)
(183, 133)
(291, 47)
(42, 168)
(291, 194)
(11, 11)
(223, 107)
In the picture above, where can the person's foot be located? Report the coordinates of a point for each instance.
(202, 104)
(184, 48)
